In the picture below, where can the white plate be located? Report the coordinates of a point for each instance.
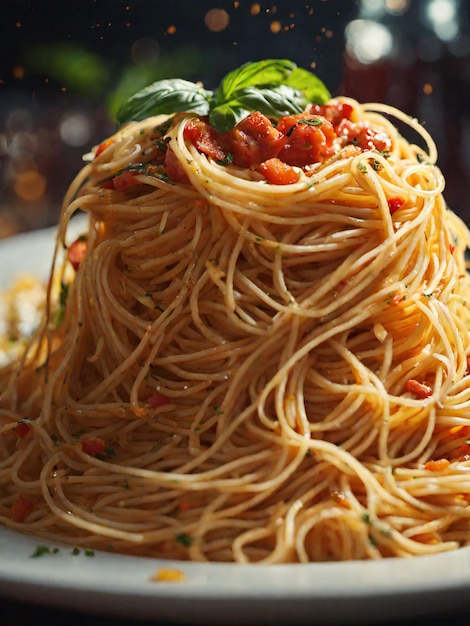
(335, 593)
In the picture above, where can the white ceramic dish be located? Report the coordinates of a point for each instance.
(334, 593)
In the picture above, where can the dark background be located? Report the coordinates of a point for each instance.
(66, 66)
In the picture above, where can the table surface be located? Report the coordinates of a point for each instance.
(13, 613)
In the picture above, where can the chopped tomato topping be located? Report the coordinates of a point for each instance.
(298, 140)
(205, 138)
(437, 466)
(94, 446)
(22, 429)
(76, 252)
(394, 204)
(421, 390)
(173, 168)
(254, 140)
(309, 139)
(157, 399)
(334, 112)
(278, 173)
(124, 180)
(103, 146)
(21, 508)
(363, 136)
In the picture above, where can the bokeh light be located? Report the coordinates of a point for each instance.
(217, 20)
(368, 41)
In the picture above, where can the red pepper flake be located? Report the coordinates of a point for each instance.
(184, 505)
(22, 429)
(103, 146)
(394, 204)
(421, 390)
(157, 399)
(94, 446)
(21, 508)
(451, 248)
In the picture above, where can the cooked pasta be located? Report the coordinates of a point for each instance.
(244, 370)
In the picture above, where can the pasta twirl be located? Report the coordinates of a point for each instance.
(249, 371)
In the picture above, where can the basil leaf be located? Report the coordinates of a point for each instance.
(312, 88)
(165, 97)
(225, 116)
(268, 72)
(274, 102)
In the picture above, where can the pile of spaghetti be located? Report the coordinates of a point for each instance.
(262, 350)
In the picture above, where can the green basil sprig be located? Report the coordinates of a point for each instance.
(275, 87)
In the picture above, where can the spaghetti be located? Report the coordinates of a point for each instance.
(249, 371)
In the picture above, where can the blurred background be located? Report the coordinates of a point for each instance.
(65, 67)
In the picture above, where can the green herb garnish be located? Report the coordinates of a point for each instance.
(275, 87)
(184, 539)
(41, 550)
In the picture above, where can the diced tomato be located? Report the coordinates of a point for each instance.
(298, 140)
(363, 136)
(21, 508)
(76, 252)
(254, 140)
(277, 172)
(103, 146)
(309, 139)
(437, 466)
(205, 138)
(394, 204)
(334, 111)
(125, 179)
(173, 168)
(22, 429)
(157, 399)
(421, 390)
(94, 446)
